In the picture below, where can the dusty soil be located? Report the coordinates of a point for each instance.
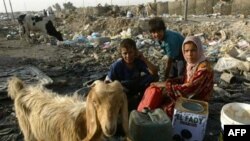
(16, 53)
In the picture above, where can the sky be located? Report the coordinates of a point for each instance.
(38, 5)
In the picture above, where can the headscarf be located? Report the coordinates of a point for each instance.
(191, 67)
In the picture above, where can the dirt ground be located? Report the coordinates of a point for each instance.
(15, 53)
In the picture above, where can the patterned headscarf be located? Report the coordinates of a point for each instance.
(191, 67)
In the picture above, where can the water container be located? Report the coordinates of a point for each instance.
(235, 114)
(190, 119)
(152, 125)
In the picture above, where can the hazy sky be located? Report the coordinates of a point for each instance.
(38, 5)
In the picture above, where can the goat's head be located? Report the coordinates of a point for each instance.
(106, 103)
(20, 19)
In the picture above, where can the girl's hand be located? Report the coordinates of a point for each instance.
(158, 84)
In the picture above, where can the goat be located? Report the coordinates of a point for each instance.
(106, 103)
(45, 25)
(44, 115)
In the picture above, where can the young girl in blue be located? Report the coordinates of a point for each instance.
(134, 72)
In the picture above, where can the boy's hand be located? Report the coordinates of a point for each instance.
(141, 56)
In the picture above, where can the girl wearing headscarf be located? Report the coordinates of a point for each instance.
(197, 82)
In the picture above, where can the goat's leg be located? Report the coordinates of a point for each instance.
(43, 38)
(27, 36)
(46, 38)
(28, 135)
(23, 38)
(26, 33)
(28, 39)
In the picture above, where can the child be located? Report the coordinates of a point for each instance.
(134, 71)
(171, 43)
(197, 82)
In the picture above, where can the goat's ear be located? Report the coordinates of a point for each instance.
(124, 115)
(91, 84)
(94, 83)
(91, 117)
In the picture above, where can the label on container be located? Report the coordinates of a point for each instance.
(189, 126)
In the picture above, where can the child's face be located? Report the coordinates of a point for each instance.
(158, 35)
(191, 53)
(128, 55)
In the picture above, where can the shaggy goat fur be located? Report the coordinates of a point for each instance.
(46, 116)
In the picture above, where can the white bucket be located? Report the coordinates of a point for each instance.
(235, 114)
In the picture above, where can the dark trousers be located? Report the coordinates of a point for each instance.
(177, 68)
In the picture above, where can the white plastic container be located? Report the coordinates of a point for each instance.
(235, 114)
(190, 119)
